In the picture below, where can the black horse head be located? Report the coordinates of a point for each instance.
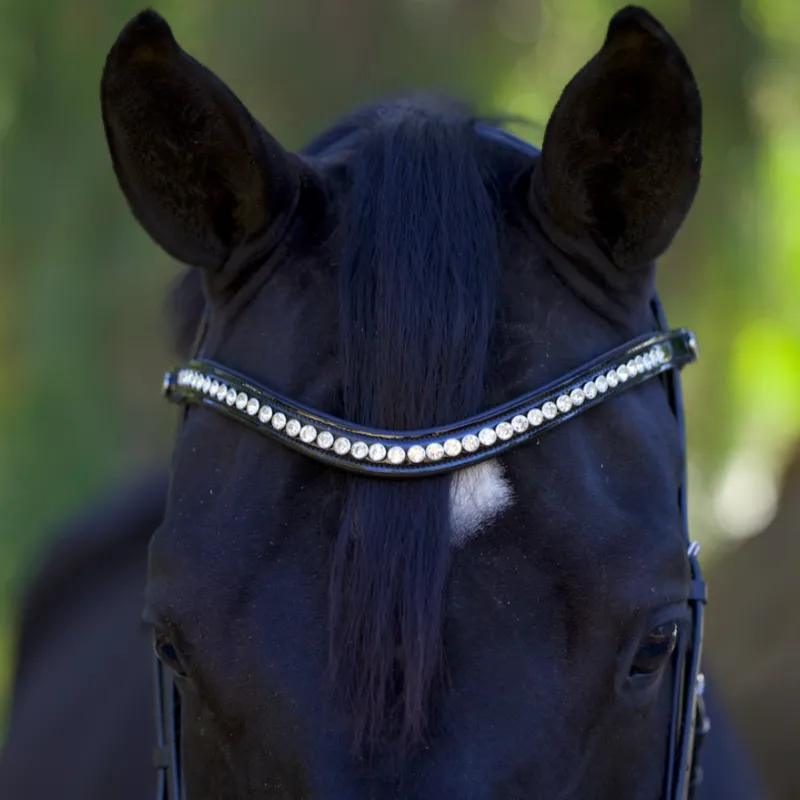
(504, 631)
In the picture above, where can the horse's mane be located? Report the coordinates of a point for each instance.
(416, 292)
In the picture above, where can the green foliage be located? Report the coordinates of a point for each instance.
(82, 341)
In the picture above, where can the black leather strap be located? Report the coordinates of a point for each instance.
(492, 432)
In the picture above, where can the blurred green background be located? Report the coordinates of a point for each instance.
(82, 337)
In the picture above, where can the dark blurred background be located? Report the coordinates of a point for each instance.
(83, 340)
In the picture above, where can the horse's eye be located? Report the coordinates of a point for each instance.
(168, 653)
(655, 650)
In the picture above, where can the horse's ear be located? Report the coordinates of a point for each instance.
(620, 161)
(199, 173)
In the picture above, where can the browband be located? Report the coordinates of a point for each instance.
(393, 454)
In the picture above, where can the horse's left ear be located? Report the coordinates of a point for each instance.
(620, 161)
(199, 172)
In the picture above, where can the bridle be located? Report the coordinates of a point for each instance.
(409, 455)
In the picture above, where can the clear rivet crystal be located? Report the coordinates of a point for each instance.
(535, 417)
(222, 392)
(434, 451)
(612, 378)
(214, 388)
(359, 450)
(377, 452)
(633, 368)
(293, 427)
(564, 404)
(230, 397)
(648, 361)
(577, 397)
(396, 455)
(325, 440)
(504, 431)
(622, 373)
(416, 454)
(198, 381)
(308, 433)
(265, 415)
(206, 385)
(341, 446)
(639, 361)
(601, 382)
(550, 410)
(590, 390)
(241, 401)
(470, 443)
(520, 423)
(452, 447)
(278, 421)
(658, 354)
(487, 437)
(252, 406)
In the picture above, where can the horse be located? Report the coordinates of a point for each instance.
(375, 575)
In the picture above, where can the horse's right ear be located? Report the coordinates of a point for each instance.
(199, 173)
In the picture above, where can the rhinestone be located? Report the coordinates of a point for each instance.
(487, 437)
(416, 454)
(452, 447)
(519, 423)
(577, 397)
(639, 361)
(396, 455)
(230, 397)
(341, 446)
(308, 433)
(504, 431)
(214, 388)
(197, 380)
(434, 451)
(648, 361)
(325, 439)
(241, 400)
(658, 354)
(377, 452)
(252, 406)
(278, 421)
(612, 378)
(470, 443)
(535, 417)
(622, 373)
(206, 385)
(601, 382)
(359, 450)
(550, 410)
(222, 392)
(265, 415)
(293, 428)
(590, 390)
(633, 368)
(564, 404)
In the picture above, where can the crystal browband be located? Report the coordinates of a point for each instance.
(417, 453)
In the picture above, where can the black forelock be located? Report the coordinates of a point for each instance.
(417, 288)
